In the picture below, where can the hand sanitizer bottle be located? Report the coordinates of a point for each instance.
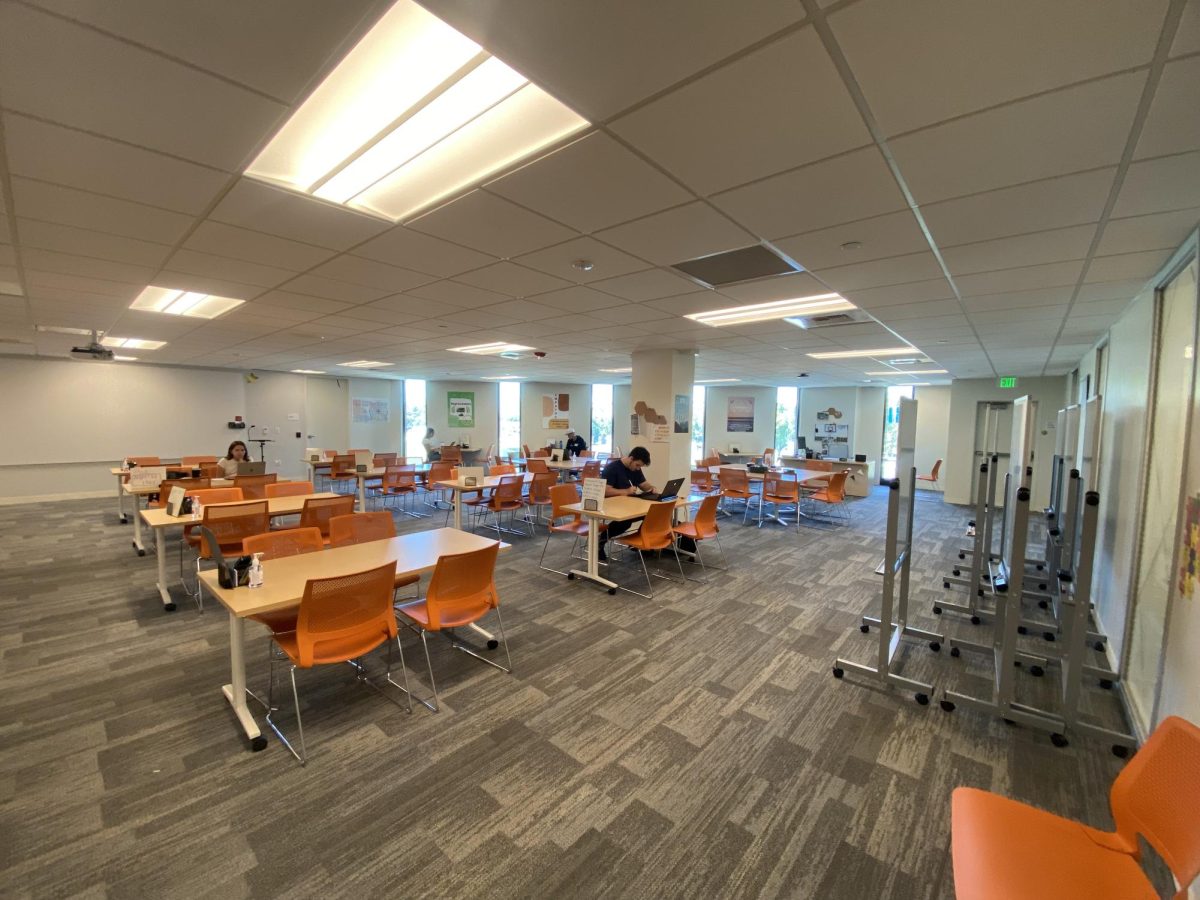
(256, 571)
(197, 509)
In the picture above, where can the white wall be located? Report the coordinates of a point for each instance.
(965, 393)
(271, 401)
(580, 413)
(867, 436)
(382, 437)
(716, 407)
(487, 421)
(933, 428)
(326, 404)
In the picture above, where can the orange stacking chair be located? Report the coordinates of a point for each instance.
(1005, 850)
(211, 472)
(834, 493)
(506, 498)
(539, 495)
(655, 534)
(188, 484)
(318, 511)
(932, 477)
(564, 495)
(535, 465)
(277, 545)
(197, 460)
(359, 528)
(452, 455)
(735, 485)
(591, 469)
(702, 481)
(288, 489)
(230, 524)
(461, 591)
(191, 533)
(502, 469)
(254, 486)
(339, 620)
(401, 481)
(342, 471)
(703, 527)
(781, 489)
(145, 460)
(438, 471)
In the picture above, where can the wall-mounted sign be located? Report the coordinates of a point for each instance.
(461, 409)
(1009, 381)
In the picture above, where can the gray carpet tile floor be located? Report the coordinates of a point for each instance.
(690, 745)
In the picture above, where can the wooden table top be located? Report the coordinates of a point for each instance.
(622, 509)
(143, 491)
(489, 481)
(158, 517)
(802, 475)
(284, 579)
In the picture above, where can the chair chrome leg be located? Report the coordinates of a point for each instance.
(646, 572)
(504, 639)
(403, 668)
(437, 705)
(301, 757)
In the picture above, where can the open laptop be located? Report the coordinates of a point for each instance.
(246, 467)
(670, 492)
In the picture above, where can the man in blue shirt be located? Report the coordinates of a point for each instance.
(623, 478)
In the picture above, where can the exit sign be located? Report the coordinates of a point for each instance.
(1009, 382)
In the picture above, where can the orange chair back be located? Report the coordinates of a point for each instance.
(359, 450)
(541, 454)
(197, 460)
(212, 472)
(344, 617)
(937, 467)
(381, 460)
(254, 487)
(145, 460)
(591, 469)
(503, 469)
(735, 480)
(400, 478)
(359, 528)
(440, 471)
(342, 466)
(462, 589)
(288, 542)
(562, 495)
(188, 484)
(1157, 795)
(528, 452)
(508, 491)
(706, 517)
(539, 488)
(234, 523)
(452, 454)
(288, 489)
(656, 527)
(702, 480)
(783, 486)
(836, 492)
(319, 510)
(217, 495)
(536, 465)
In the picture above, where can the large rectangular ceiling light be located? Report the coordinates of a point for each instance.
(777, 309)
(415, 112)
(497, 347)
(853, 354)
(195, 304)
(132, 343)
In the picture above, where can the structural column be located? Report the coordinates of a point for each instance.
(659, 378)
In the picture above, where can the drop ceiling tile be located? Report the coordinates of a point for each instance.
(595, 62)
(464, 296)
(1043, 205)
(76, 287)
(686, 232)
(1110, 290)
(629, 314)
(301, 302)
(1160, 185)
(579, 299)
(255, 246)
(559, 260)
(1029, 316)
(369, 273)
(591, 184)
(274, 46)
(916, 292)
(484, 318)
(262, 207)
(67, 206)
(334, 290)
(194, 262)
(513, 280)
(1020, 300)
(84, 266)
(1187, 38)
(1020, 250)
(1076, 128)
(74, 75)
(526, 310)
(651, 284)
(1173, 125)
(977, 54)
(402, 246)
(492, 225)
(724, 129)
(1160, 231)
(1020, 279)
(881, 272)
(894, 234)
(765, 290)
(901, 312)
(83, 242)
(1127, 266)
(856, 185)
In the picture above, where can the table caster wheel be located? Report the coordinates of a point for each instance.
(612, 592)
(947, 706)
(1037, 671)
(140, 552)
(935, 646)
(865, 629)
(1049, 636)
(1021, 629)
(1098, 646)
(124, 521)
(1106, 683)
(974, 620)
(168, 607)
(979, 593)
(570, 576)
(838, 672)
(1040, 567)
(1120, 752)
(1042, 604)
(258, 744)
(946, 585)
(1058, 740)
(493, 644)
(922, 699)
(955, 652)
(937, 610)
(956, 573)
(962, 556)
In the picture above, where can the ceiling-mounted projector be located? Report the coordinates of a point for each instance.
(93, 350)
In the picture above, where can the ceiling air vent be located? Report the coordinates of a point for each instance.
(736, 266)
(828, 320)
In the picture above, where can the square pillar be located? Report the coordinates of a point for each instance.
(659, 376)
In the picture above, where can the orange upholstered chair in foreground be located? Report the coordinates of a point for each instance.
(1005, 850)
(703, 527)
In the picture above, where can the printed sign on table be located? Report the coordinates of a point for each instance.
(593, 493)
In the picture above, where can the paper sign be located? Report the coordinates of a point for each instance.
(660, 434)
(593, 493)
(147, 476)
(471, 475)
(175, 501)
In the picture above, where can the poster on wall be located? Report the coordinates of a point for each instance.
(369, 410)
(660, 434)
(683, 413)
(556, 412)
(633, 423)
(460, 411)
(739, 415)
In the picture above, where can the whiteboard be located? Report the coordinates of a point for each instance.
(68, 411)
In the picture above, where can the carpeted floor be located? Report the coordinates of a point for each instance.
(692, 745)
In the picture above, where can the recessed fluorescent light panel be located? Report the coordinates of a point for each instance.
(415, 112)
(125, 358)
(196, 304)
(502, 377)
(308, 371)
(911, 372)
(852, 354)
(59, 329)
(132, 343)
(617, 371)
(365, 364)
(496, 347)
(778, 309)
(717, 380)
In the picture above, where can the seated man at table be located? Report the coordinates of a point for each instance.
(575, 444)
(623, 478)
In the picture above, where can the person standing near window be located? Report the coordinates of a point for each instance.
(429, 442)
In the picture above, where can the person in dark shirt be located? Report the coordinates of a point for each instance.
(575, 444)
(623, 478)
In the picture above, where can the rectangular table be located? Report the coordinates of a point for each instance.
(160, 520)
(283, 587)
(803, 476)
(614, 509)
(136, 493)
(458, 487)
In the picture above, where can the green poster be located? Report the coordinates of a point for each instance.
(461, 408)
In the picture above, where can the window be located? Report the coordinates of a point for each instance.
(414, 417)
(891, 428)
(510, 418)
(698, 397)
(787, 417)
(602, 418)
